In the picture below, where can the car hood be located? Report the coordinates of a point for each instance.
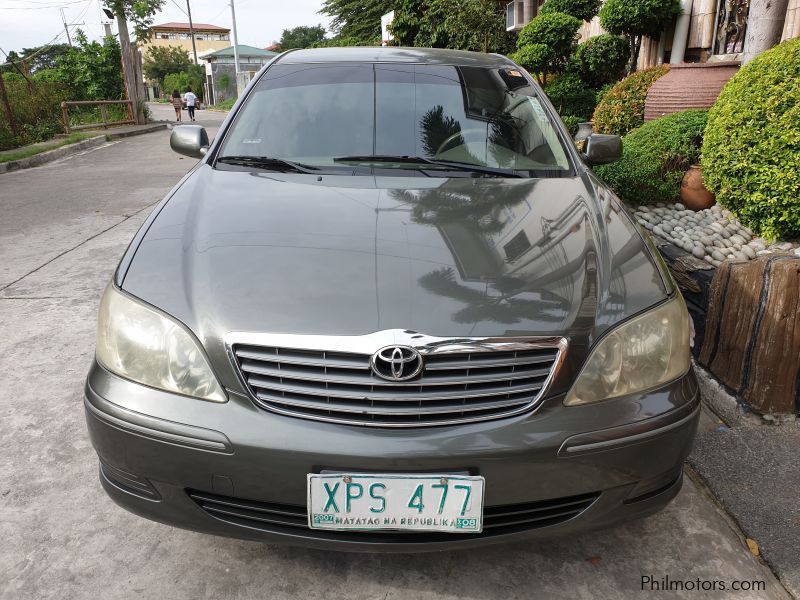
(337, 255)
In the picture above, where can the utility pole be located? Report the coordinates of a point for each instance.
(191, 29)
(64, 20)
(235, 44)
(128, 65)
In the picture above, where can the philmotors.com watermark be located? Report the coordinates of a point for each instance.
(665, 583)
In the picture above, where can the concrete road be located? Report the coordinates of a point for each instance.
(63, 228)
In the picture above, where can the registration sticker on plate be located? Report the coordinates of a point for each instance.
(358, 502)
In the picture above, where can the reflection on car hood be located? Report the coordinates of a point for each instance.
(285, 253)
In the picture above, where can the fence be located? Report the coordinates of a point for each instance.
(103, 104)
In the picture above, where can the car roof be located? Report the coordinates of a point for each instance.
(436, 56)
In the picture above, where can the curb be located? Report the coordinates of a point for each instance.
(58, 153)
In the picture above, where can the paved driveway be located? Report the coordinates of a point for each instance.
(63, 228)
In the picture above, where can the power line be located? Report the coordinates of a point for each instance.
(48, 7)
(52, 42)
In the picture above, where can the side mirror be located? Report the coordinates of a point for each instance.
(189, 140)
(601, 149)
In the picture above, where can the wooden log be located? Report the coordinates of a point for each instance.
(772, 384)
(693, 278)
(752, 337)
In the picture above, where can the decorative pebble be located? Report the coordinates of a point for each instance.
(711, 234)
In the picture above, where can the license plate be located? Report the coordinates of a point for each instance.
(358, 502)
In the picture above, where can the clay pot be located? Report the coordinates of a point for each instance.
(694, 194)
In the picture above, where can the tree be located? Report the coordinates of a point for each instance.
(477, 25)
(547, 43)
(90, 70)
(160, 61)
(359, 20)
(601, 59)
(36, 59)
(138, 12)
(636, 19)
(302, 37)
(193, 77)
(585, 10)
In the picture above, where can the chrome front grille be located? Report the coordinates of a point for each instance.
(463, 380)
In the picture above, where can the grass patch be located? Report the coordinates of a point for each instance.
(224, 105)
(72, 138)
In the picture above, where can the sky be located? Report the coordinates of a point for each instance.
(29, 23)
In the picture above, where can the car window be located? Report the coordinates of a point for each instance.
(315, 113)
(307, 112)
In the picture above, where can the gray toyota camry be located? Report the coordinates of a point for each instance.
(391, 308)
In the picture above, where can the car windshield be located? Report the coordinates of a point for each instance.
(338, 116)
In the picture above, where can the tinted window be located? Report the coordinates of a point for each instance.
(314, 113)
(307, 112)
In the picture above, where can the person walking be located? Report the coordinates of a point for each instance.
(177, 104)
(191, 102)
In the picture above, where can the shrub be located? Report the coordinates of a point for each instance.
(585, 10)
(655, 158)
(601, 60)
(622, 107)
(547, 42)
(36, 110)
(571, 97)
(571, 122)
(637, 18)
(751, 150)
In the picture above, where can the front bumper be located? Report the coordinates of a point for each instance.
(236, 470)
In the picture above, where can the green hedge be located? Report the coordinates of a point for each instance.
(571, 97)
(622, 107)
(655, 158)
(751, 150)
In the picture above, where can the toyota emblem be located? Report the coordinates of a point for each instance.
(396, 363)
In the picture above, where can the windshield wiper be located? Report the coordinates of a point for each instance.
(268, 162)
(458, 166)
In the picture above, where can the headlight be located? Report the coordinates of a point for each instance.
(641, 354)
(141, 344)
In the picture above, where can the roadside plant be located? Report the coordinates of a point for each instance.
(622, 107)
(751, 149)
(655, 158)
(637, 18)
